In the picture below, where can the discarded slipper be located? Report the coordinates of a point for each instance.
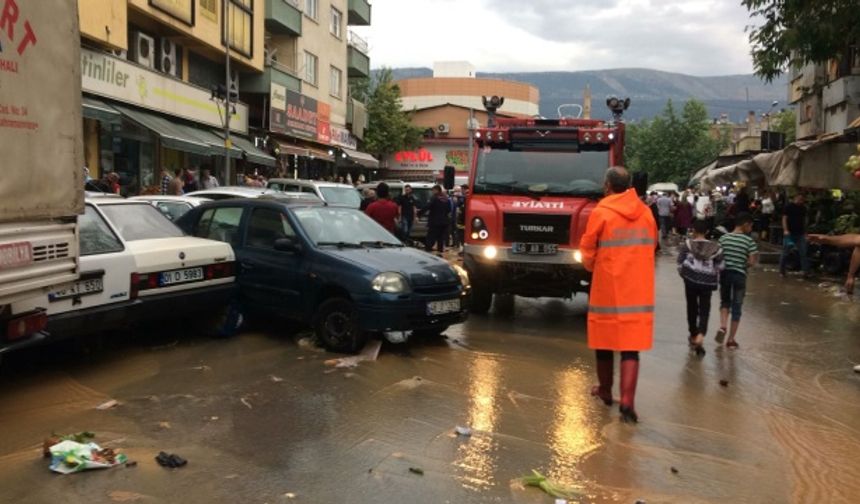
(171, 460)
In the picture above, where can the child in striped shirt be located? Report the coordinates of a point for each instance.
(740, 252)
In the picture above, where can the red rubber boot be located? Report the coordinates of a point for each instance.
(603, 391)
(629, 377)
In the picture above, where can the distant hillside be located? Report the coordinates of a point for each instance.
(648, 90)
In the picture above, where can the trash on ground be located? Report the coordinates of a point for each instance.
(724, 383)
(857, 368)
(463, 431)
(290, 495)
(131, 463)
(164, 425)
(201, 368)
(107, 404)
(78, 437)
(70, 456)
(550, 487)
(308, 343)
(674, 470)
(417, 470)
(171, 460)
(370, 352)
(247, 403)
(275, 379)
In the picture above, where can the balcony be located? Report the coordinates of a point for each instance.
(284, 17)
(273, 73)
(359, 13)
(358, 63)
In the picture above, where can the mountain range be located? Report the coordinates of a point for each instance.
(647, 89)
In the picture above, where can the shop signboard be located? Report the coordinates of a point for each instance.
(431, 158)
(323, 123)
(278, 108)
(124, 81)
(343, 138)
(458, 158)
(301, 115)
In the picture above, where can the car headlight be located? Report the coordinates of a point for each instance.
(390, 282)
(462, 273)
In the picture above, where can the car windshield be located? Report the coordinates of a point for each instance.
(543, 173)
(140, 222)
(345, 196)
(343, 227)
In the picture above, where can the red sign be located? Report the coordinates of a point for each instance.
(17, 254)
(323, 123)
(420, 156)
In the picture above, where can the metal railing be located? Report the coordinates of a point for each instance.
(357, 42)
(283, 68)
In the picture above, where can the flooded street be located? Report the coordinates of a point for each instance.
(264, 420)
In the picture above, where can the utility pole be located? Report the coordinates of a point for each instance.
(227, 98)
(471, 130)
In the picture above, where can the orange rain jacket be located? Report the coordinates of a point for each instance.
(618, 247)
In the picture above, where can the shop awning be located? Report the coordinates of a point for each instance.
(173, 136)
(252, 153)
(362, 158)
(296, 150)
(320, 154)
(99, 110)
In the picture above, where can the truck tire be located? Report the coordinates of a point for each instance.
(482, 299)
(336, 326)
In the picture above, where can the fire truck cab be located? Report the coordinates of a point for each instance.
(533, 184)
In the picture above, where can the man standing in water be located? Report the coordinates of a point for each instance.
(618, 247)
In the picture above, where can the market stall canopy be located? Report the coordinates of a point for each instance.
(695, 179)
(361, 158)
(97, 109)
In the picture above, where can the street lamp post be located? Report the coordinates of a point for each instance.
(227, 111)
(767, 116)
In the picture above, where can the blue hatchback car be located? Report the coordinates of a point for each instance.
(332, 268)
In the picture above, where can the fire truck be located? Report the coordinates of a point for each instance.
(534, 183)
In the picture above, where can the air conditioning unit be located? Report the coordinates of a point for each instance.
(234, 85)
(443, 128)
(167, 57)
(120, 53)
(143, 50)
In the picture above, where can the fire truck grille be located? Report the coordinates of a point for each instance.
(534, 228)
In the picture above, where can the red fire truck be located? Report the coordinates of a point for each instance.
(534, 183)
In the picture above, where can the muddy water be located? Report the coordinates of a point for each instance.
(259, 417)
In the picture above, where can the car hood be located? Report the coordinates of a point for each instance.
(164, 253)
(419, 267)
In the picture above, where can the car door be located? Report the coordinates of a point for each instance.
(270, 279)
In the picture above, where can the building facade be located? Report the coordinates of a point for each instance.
(827, 96)
(448, 107)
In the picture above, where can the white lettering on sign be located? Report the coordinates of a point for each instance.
(537, 229)
(549, 205)
(13, 255)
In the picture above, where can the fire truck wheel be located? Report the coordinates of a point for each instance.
(482, 299)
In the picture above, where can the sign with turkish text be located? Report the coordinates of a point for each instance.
(301, 115)
(111, 77)
(343, 138)
(430, 158)
(458, 158)
(323, 123)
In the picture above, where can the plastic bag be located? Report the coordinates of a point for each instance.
(70, 456)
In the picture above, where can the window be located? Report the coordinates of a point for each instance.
(336, 25)
(336, 82)
(173, 210)
(140, 222)
(220, 224)
(266, 226)
(240, 17)
(312, 8)
(338, 226)
(310, 73)
(95, 235)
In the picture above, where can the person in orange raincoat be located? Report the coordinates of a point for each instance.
(618, 247)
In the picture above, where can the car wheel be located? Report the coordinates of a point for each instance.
(337, 327)
(227, 320)
(482, 298)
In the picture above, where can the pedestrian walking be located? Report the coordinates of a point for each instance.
(438, 211)
(740, 252)
(207, 180)
(683, 216)
(767, 209)
(664, 211)
(700, 262)
(407, 210)
(176, 184)
(794, 234)
(369, 196)
(383, 210)
(847, 240)
(620, 231)
(165, 181)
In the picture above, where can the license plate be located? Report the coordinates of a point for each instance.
(443, 307)
(181, 276)
(13, 255)
(535, 248)
(79, 288)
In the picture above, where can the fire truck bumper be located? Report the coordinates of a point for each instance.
(504, 272)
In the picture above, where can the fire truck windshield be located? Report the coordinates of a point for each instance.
(502, 171)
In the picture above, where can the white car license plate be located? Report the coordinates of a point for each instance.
(181, 276)
(79, 288)
(535, 248)
(443, 307)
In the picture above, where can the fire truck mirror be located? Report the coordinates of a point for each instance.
(448, 180)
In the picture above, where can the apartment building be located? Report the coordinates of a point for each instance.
(827, 95)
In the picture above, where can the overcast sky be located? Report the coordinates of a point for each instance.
(698, 37)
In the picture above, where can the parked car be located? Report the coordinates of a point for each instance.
(330, 192)
(422, 191)
(334, 269)
(138, 267)
(173, 207)
(229, 192)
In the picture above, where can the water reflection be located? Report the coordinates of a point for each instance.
(571, 435)
(476, 456)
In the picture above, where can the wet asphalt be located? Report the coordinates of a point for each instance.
(262, 418)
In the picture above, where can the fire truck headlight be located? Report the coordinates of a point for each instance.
(600, 137)
(577, 256)
(587, 137)
(483, 234)
(611, 136)
(474, 235)
(491, 252)
(477, 134)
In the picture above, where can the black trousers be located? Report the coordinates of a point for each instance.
(698, 307)
(436, 235)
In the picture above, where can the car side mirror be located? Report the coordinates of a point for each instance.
(287, 245)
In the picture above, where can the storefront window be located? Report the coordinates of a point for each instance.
(129, 151)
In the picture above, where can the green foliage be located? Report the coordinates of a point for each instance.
(793, 33)
(388, 128)
(786, 123)
(670, 147)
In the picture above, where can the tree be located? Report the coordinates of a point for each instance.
(388, 128)
(786, 123)
(793, 33)
(669, 148)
